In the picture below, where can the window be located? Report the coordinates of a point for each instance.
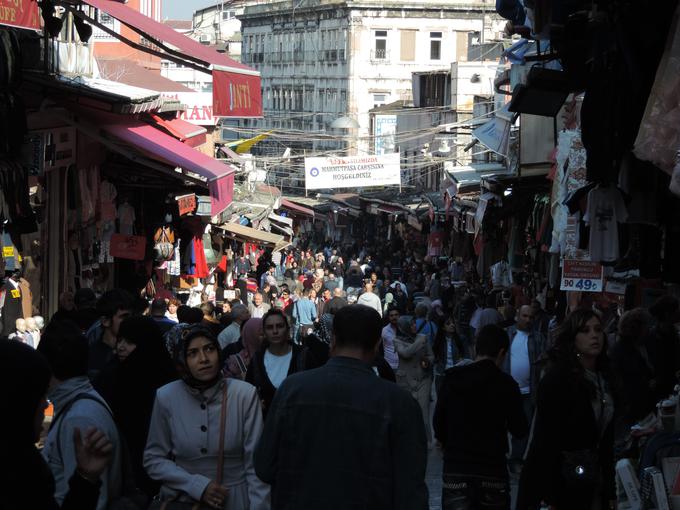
(379, 100)
(227, 15)
(408, 45)
(380, 44)
(435, 45)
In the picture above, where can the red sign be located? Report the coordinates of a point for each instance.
(20, 13)
(581, 275)
(186, 204)
(236, 95)
(128, 247)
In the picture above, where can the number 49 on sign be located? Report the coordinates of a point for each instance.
(582, 284)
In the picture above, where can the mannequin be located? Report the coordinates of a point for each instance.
(39, 323)
(11, 303)
(126, 217)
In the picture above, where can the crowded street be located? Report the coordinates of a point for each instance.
(340, 255)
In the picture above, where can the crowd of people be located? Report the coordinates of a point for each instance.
(323, 383)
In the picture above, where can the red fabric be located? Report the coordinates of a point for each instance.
(222, 265)
(201, 270)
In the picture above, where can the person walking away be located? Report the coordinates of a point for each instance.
(340, 437)
(76, 406)
(114, 306)
(448, 350)
(186, 464)
(570, 463)
(527, 348)
(277, 358)
(388, 336)
(158, 311)
(27, 481)
(304, 313)
(425, 326)
(209, 320)
(370, 299)
(478, 406)
(415, 367)
(129, 384)
(252, 337)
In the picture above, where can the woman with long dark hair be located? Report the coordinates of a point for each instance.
(448, 350)
(277, 358)
(570, 463)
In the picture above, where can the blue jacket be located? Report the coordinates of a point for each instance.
(340, 437)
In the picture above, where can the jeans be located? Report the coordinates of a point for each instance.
(461, 492)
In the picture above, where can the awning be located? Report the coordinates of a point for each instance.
(131, 73)
(287, 204)
(249, 234)
(184, 131)
(219, 177)
(236, 87)
(281, 219)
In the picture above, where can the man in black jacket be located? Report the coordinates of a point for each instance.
(478, 405)
(340, 437)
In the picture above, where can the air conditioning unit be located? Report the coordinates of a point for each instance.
(204, 38)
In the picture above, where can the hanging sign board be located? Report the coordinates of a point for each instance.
(186, 204)
(581, 275)
(352, 171)
(21, 14)
(128, 247)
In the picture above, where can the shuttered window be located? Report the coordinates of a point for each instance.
(408, 45)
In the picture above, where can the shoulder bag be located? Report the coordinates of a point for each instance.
(173, 504)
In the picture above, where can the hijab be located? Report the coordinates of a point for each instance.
(251, 338)
(186, 336)
(326, 328)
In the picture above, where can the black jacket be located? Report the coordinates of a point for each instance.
(565, 422)
(633, 376)
(339, 437)
(477, 406)
(257, 374)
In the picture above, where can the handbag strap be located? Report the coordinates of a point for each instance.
(223, 423)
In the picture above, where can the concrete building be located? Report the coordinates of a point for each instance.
(321, 60)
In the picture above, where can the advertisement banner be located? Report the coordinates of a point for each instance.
(198, 107)
(236, 95)
(352, 171)
(128, 247)
(20, 13)
(385, 130)
(581, 275)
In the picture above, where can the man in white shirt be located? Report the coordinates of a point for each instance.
(527, 346)
(232, 333)
(369, 299)
(389, 334)
(258, 307)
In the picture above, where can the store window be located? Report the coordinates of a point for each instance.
(435, 45)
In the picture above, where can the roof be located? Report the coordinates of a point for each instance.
(131, 73)
(391, 107)
(251, 234)
(179, 24)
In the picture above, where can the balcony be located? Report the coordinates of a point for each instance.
(382, 55)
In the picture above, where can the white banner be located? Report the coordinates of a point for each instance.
(352, 171)
(199, 107)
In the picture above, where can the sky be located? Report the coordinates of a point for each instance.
(183, 9)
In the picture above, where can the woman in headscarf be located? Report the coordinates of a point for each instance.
(184, 437)
(415, 366)
(27, 481)
(129, 384)
(389, 300)
(251, 340)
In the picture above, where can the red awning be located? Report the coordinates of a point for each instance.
(184, 131)
(236, 87)
(287, 204)
(150, 140)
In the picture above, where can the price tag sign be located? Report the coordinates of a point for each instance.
(581, 275)
(8, 251)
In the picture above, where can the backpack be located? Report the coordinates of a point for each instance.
(131, 498)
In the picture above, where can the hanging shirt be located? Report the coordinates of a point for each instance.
(605, 210)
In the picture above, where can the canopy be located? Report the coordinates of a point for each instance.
(236, 87)
(249, 234)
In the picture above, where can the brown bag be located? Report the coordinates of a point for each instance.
(173, 504)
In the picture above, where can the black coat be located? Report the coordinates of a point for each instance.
(257, 374)
(633, 376)
(338, 437)
(564, 422)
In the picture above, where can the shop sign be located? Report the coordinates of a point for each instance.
(353, 171)
(236, 95)
(186, 204)
(581, 275)
(20, 13)
(198, 107)
(128, 247)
